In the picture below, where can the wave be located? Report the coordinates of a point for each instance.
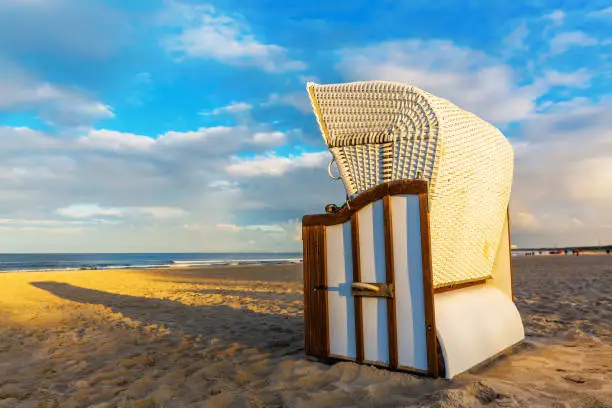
(159, 263)
(39, 270)
(154, 266)
(84, 268)
(234, 262)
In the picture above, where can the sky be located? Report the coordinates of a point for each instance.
(148, 126)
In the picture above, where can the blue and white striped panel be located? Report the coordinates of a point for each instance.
(373, 269)
(409, 296)
(339, 299)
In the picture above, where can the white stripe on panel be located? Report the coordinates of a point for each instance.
(372, 257)
(409, 296)
(340, 301)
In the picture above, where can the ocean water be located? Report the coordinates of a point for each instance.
(37, 262)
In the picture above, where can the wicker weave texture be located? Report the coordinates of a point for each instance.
(382, 131)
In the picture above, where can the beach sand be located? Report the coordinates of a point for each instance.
(233, 337)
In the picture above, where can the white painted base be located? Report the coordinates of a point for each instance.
(474, 324)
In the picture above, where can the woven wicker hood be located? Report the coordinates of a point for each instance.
(382, 131)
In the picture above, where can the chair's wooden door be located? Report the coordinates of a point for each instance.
(382, 241)
(315, 300)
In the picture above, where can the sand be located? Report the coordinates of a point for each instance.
(232, 337)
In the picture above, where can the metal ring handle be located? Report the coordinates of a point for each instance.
(365, 286)
(329, 169)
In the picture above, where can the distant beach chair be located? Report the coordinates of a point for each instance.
(413, 272)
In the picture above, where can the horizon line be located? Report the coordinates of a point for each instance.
(156, 252)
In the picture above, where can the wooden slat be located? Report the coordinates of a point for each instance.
(365, 198)
(428, 289)
(510, 255)
(460, 286)
(323, 294)
(390, 272)
(307, 276)
(316, 335)
(359, 352)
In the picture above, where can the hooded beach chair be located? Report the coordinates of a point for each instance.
(413, 272)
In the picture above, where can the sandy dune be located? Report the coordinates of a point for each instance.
(232, 337)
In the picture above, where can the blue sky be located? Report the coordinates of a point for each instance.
(185, 126)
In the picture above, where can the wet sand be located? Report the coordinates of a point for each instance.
(233, 337)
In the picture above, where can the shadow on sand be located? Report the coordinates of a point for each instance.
(273, 333)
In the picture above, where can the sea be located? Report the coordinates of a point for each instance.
(82, 261)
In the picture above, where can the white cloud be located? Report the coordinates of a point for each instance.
(269, 138)
(229, 227)
(89, 211)
(557, 17)
(299, 100)
(598, 188)
(201, 135)
(223, 184)
(206, 33)
(57, 104)
(18, 174)
(261, 228)
(275, 166)
(167, 197)
(603, 13)
(467, 77)
(44, 222)
(214, 136)
(220, 140)
(562, 191)
(161, 212)
(516, 39)
(525, 221)
(113, 140)
(266, 228)
(208, 141)
(37, 230)
(95, 211)
(297, 231)
(23, 169)
(232, 108)
(20, 138)
(577, 79)
(50, 227)
(562, 42)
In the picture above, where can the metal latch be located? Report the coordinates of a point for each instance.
(372, 289)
